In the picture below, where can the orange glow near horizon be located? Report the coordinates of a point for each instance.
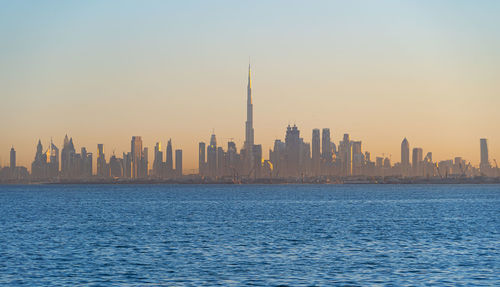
(378, 71)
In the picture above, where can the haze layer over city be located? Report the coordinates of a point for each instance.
(102, 73)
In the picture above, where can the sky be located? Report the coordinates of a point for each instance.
(104, 71)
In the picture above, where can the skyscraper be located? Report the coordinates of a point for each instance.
(357, 158)
(115, 166)
(257, 160)
(405, 157)
(405, 152)
(102, 169)
(52, 160)
(127, 165)
(83, 164)
(316, 153)
(249, 140)
(292, 149)
(178, 163)
(345, 152)
(169, 162)
(158, 160)
(67, 156)
(232, 158)
(221, 162)
(484, 165)
(326, 151)
(144, 163)
(212, 157)
(417, 161)
(136, 151)
(201, 158)
(38, 165)
(12, 158)
(248, 146)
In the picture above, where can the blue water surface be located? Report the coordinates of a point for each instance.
(250, 235)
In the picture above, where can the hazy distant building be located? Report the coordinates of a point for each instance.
(102, 167)
(116, 167)
(68, 158)
(12, 158)
(345, 154)
(358, 158)
(83, 164)
(145, 163)
(445, 168)
(405, 157)
(428, 165)
(417, 160)
(158, 161)
(221, 162)
(305, 162)
(316, 152)
(484, 165)
(201, 159)
(257, 161)
(248, 149)
(178, 163)
(232, 159)
(212, 157)
(292, 146)
(13, 172)
(127, 165)
(326, 150)
(169, 161)
(277, 158)
(387, 163)
(52, 155)
(136, 151)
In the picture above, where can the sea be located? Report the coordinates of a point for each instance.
(250, 235)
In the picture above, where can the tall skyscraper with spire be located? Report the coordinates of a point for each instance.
(249, 165)
(249, 141)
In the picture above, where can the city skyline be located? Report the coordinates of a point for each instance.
(360, 75)
(290, 158)
(248, 142)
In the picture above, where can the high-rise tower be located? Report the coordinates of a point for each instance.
(136, 152)
(249, 164)
(485, 161)
(12, 158)
(212, 157)
(405, 157)
(249, 142)
(316, 152)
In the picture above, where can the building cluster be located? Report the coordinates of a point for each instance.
(295, 158)
(289, 158)
(166, 169)
(214, 162)
(135, 164)
(69, 165)
(13, 172)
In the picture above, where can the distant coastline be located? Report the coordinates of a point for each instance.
(197, 180)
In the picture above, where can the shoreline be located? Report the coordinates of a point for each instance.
(267, 181)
